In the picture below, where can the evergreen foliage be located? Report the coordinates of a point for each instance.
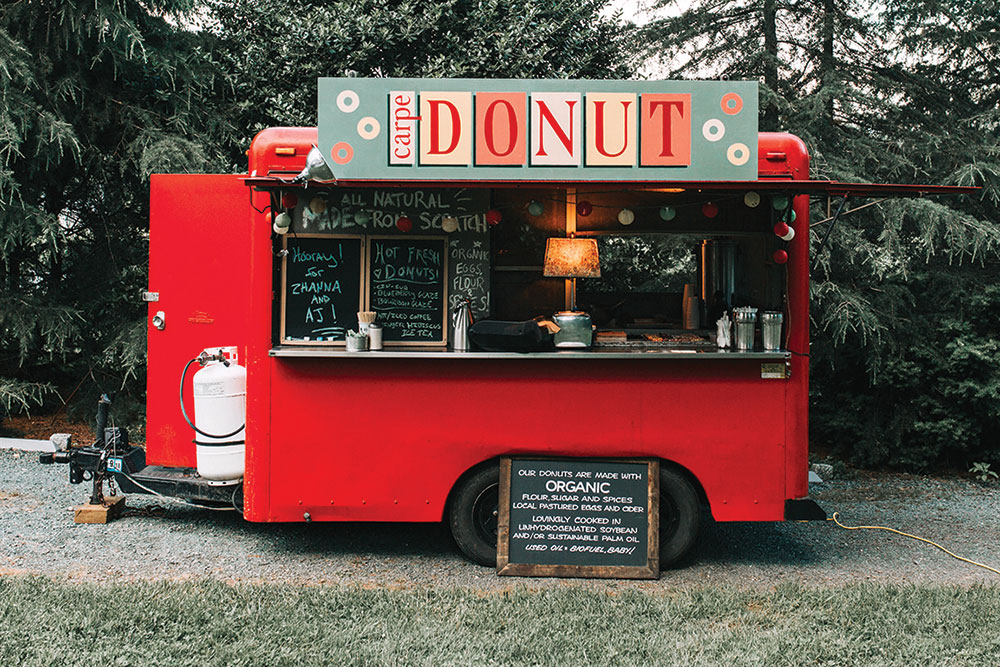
(94, 96)
(902, 369)
(276, 49)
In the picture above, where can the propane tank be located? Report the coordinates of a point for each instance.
(220, 406)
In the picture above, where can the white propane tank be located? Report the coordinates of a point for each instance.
(220, 408)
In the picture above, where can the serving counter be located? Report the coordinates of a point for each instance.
(675, 353)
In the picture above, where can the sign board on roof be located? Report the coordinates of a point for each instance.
(538, 130)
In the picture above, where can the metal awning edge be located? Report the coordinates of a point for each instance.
(795, 187)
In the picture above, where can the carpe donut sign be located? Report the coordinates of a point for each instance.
(538, 130)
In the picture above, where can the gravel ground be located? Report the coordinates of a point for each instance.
(160, 540)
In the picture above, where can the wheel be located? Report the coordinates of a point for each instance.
(680, 516)
(474, 515)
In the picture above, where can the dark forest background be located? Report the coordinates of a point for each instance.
(96, 95)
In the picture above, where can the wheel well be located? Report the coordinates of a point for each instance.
(673, 465)
(699, 489)
(468, 473)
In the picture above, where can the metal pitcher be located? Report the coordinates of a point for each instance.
(461, 320)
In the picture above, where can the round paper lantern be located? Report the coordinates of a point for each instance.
(317, 205)
(781, 229)
(584, 208)
(288, 200)
(668, 213)
(751, 199)
(283, 220)
(404, 224)
(709, 210)
(536, 207)
(449, 223)
(779, 203)
(626, 217)
(362, 217)
(493, 217)
(780, 256)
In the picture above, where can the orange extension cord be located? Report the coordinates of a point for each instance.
(915, 537)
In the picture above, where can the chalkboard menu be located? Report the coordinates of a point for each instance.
(407, 287)
(321, 288)
(376, 211)
(579, 518)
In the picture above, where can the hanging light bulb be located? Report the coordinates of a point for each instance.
(584, 208)
(493, 217)
(363, 218)
(779, 256)
(751, 199)
(535, 207)
(283, 220)
(404, 224)
(288, 200)
(449, 223)
(626, 217)
(779, 203)
(317, 205)
(668, 213)
(709, 210)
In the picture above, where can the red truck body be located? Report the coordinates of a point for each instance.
(319, 447)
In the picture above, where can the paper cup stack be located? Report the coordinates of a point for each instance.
(691, 308)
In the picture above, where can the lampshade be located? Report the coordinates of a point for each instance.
(571, 258)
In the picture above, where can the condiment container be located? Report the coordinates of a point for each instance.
(374, 336)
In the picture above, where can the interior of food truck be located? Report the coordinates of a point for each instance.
(665, 264)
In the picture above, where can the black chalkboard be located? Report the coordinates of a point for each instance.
(407, 288)
(321, 288)
(579, 518)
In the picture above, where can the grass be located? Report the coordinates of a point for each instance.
(211, 623)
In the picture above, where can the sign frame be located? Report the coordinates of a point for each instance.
(650, 571)
(362, 294)
(367, 286)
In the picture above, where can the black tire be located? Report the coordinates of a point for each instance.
(680, 517)
(474, 515)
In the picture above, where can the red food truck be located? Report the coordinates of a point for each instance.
(420, 203)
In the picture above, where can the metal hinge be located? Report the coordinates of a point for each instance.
(150, 296)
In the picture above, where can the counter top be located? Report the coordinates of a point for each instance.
(679, 352)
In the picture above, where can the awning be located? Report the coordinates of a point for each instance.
(782, 185)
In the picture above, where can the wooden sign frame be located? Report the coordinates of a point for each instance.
(649, 571)
(366, 284)
(362, 294)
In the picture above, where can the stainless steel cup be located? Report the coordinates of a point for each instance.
(770, 324)
(746, 321)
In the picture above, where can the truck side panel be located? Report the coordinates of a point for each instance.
(385, 439)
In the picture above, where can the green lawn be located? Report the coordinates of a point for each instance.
(209, 623)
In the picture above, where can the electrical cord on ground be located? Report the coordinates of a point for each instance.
(915, 537)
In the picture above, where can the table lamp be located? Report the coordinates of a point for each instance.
(572, 258)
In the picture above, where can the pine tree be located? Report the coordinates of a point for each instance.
(906, 93)
(94, 96)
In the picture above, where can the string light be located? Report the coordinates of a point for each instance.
(404, 224)
(626, 217)
(584, 208)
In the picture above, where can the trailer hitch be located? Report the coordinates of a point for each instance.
(109, 454)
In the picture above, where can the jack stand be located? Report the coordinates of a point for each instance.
(100, 509)
(109, 509)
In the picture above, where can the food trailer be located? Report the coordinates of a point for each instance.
(429, 205)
